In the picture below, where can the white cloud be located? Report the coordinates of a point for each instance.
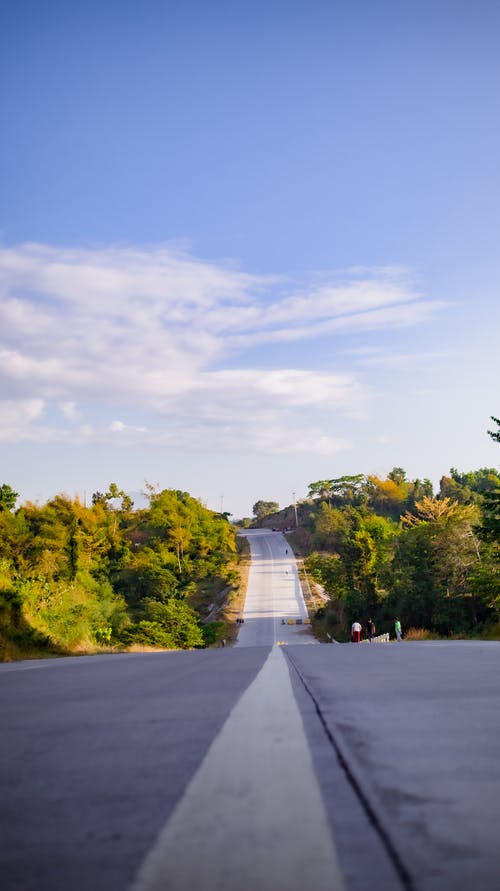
(68, 409)
(378, 358)
(18, 417)
(145, 331)
(120, 427)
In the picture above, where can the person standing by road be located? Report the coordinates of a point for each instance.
(370, 629)
(397, 629)
(355, 632)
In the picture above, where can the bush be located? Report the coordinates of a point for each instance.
(148, 633)
(171, 625)
(213, 632)
(420, 634)
(72, 613)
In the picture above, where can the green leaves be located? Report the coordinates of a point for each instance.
(79, 575)
(8, 497)
(173, 625)
(262, 509)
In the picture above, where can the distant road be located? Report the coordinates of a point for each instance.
(274, 594)
(336, 767)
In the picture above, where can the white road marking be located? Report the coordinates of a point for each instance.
(252, 818)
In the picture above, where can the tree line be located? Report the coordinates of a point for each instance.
(391, 547)
(76, 577)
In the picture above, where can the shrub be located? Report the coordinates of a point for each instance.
(213, 632)
(420, 634)
(173, 625)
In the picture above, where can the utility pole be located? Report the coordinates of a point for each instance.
(295, 509)
(221, 502)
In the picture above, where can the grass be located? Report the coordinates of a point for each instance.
(420, 634)
(489, 632)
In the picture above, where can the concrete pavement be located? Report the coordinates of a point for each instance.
(417, 729)
(95, 752)
(273, 594)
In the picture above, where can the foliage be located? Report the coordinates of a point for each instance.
(263, 509)
(74, 577)
(420, 634)
(486, 578)
(8, 497)
(213, 632)
(172, 625)
(495, 434)
(394, 549)
(388, 496)
(469, 487)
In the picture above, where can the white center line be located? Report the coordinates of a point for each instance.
(252, 817)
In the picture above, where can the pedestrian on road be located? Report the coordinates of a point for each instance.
(397, 629)
(356, 632)
(370, 629)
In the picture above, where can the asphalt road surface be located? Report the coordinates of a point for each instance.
(356, 767)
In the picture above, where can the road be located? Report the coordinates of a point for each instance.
(342, 767)
(274, 594)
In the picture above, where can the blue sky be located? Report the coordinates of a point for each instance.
(247, 246)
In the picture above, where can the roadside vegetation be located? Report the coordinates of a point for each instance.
(105, 577)
(390, 547)
(77, 578)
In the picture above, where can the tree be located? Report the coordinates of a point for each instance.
(322, 489)
(437, 554)
(263, 509)
(486, 578)
(397, 475)
(342, 489)
(171, 625)
(490, 526)
(387, 497)
(8, 497)
(75, 575)
(470, 486)
(495, 434)
(331, 528)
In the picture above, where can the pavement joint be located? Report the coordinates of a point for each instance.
(367, 801)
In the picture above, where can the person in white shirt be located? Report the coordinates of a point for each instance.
(356, 632)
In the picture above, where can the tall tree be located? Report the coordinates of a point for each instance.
(436, 556)
(8, 497)
(263, 509)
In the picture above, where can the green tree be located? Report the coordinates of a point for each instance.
(331, 528)
(262, 509)
(486, 578)
(397, 475)
(471, 486)
(343, 489)
(490, 525)
(438, 552)
(8, 497)
(172, 625)
(321, 489)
